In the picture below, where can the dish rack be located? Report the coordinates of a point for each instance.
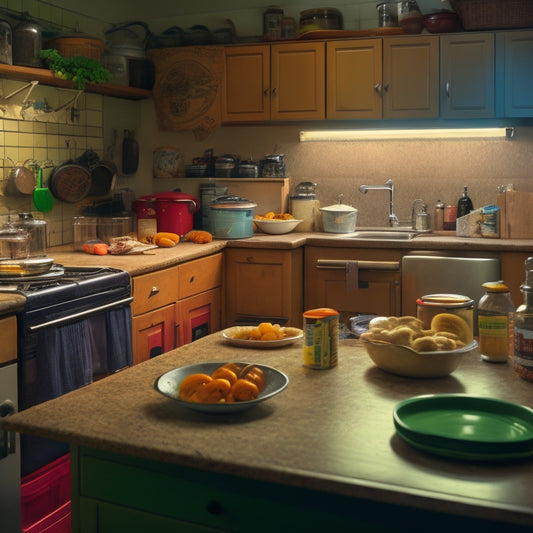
(494, 14)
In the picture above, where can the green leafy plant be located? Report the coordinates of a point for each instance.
(80, 70)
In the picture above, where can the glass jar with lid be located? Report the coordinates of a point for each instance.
(495, 322)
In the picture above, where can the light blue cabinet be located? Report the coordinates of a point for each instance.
(467, 75)
(514, 73)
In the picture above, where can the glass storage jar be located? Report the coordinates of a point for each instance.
(495, 322)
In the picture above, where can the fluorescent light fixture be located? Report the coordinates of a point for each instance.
(384, 135)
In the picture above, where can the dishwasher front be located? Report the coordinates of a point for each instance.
(436, 273)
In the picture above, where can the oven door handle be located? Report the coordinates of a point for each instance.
(81, 314)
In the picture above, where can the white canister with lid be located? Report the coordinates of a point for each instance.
(339, 218)
(305, 207)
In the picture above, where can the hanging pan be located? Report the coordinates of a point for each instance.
(103, 175)
(70, 182)
(21, 180)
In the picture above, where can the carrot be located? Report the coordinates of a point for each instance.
(95, 248)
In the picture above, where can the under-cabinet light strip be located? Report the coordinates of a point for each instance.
(430, 133)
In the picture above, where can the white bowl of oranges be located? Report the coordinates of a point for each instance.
(265, 335)
(276, 223)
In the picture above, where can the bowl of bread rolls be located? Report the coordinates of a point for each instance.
(405, 347)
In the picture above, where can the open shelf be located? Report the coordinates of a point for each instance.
(44, 76)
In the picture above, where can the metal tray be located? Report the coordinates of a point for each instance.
(16, 268)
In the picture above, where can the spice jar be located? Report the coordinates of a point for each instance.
(495, 322)
(450, 217)
(439, 215)
(272, 18)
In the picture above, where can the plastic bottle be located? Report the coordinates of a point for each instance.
(464, 205)
(523, 328)
(495, 322)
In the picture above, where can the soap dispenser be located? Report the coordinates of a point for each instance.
(464, 205)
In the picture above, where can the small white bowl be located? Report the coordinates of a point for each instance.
(275, 226)
(404, 361)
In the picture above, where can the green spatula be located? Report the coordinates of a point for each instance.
(42, 197)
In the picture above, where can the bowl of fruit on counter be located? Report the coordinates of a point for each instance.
(276, 223)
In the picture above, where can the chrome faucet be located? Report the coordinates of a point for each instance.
(393, 219)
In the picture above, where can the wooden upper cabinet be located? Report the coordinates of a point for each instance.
(514, 74)
(467, 75)
(354, 76)
(411, 77)
(246, 87)
(274, 82)
(298, 81)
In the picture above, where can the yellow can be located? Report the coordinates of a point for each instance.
(321, 338)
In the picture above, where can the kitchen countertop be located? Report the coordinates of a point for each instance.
(330, 430)
(159, 258)
(164, 257)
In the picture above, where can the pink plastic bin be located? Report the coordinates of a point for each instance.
(44, 492)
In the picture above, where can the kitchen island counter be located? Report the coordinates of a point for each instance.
(330, 431)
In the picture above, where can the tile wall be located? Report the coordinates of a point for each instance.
(49, 137)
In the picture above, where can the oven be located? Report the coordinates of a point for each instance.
(75, 327)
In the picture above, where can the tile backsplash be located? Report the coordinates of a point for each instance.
(48, 126)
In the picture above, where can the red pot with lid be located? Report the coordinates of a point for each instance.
(173, 210)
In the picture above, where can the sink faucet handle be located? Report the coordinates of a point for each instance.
(339, 198)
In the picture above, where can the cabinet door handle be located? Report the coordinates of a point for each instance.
(274, 92)
(153, 291)
(386, 87)
(447, 89)
(265, 92)
(340, 264)
(378, 88)
(8, 438)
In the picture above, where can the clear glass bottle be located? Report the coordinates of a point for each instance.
(495, 322)
(523, 328)
(464, 205)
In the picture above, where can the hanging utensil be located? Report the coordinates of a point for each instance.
(42, 197)
(15, 109)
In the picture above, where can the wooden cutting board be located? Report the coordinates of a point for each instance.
(516, 214)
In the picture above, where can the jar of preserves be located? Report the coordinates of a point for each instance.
(495, 322)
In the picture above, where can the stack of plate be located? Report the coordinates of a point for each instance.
(461, 426)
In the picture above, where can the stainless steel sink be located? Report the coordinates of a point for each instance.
(389, 234)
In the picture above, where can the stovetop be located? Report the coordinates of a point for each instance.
(68, 284)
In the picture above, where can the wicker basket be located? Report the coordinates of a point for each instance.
(78, 46)
(494, 14)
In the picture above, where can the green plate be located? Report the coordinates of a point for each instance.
(467, 427)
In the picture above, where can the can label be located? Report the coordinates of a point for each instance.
(321, 338)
